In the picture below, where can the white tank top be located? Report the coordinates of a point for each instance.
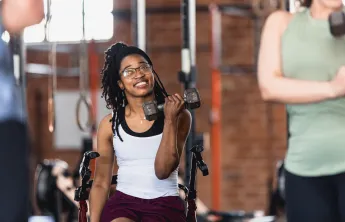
(135, 157)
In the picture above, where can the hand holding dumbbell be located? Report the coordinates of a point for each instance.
(191, 100)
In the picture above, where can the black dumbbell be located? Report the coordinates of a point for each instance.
(190, 96)
(337, 23)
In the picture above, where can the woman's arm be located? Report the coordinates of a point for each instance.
(19, 14)
(273, 85)
(174, 137)
(104, 169)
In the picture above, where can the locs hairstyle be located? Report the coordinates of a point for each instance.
(114, 96)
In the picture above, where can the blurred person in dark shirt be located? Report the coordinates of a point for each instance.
(15, 15)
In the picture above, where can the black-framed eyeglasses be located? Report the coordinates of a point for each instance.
(130, 72)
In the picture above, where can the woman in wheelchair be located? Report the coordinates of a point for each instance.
(147, 152)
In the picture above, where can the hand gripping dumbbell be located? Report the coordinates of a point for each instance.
(190, 96)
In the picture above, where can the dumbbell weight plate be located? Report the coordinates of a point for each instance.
(192, 98)
(151, 110)
(337, 23)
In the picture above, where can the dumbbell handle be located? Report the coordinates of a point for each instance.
(161, 106)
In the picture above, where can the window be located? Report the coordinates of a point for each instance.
(66, 22)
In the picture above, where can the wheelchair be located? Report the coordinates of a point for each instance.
(53, 201)
(82, 194)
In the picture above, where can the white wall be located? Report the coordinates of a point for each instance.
(67, 133)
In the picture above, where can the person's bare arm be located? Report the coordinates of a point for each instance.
(104, 169)
(173, 142)
(273, 85)
(18, 14)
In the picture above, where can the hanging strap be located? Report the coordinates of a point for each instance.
(83, 98)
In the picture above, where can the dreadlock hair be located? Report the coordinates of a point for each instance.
(114, 96)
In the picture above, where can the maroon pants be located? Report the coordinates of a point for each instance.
(162, 209)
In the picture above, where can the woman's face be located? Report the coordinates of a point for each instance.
(136, 76)
(331, 4)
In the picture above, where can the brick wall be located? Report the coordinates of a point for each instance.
(253, 132)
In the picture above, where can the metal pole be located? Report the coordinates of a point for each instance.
(187, 75)
(141, 16)
(192, 30)
(134, 15)
(139, 23)
(184, 77)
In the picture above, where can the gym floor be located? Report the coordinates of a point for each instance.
(253, 133)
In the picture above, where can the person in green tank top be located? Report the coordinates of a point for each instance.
(302, 65)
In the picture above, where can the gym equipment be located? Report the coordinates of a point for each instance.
(191, 98)
(187, 75)
(94, 86)
(52, 79)
(87, 144)
(81, 193)
(337, 23)
(51, 200)
(191, 195)
(83, 72)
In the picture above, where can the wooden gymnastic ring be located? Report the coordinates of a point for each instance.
(51, 114)
(87, 126)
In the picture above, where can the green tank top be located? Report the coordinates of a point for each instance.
(316, 145)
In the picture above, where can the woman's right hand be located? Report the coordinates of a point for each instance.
(338, 83)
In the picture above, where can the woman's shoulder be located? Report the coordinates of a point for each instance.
(279, 20)
(105, 125)
(107, 118)
(279, 17)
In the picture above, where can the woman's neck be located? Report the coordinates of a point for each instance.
(135, 105)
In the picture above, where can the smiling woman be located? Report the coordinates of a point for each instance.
(147, 152)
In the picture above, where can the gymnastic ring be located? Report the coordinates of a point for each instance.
(83, 101)
(263, 8)
(51, 115)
